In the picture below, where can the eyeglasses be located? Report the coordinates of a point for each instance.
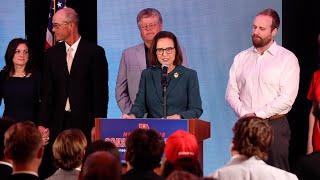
(149, 26)
(24, 52)
(168, 50)
(57, 25)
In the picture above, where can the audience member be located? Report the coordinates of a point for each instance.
(182, 175)
(68, 151)
(182, 153)
(144, 151)
(5, 162)
(252, 139)
(23, 144)
(101, 145)
(101, 165)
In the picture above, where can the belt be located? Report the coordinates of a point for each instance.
(277, 116)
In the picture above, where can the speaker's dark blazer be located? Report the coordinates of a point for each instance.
(183, 96)
(86, 86)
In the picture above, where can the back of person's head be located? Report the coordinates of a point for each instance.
(181, 144)
(100, 165)
(182, 153)
(189, 165)
(144, 149)
(23, 143)
(182, 175)
(252, 137)
(101, 145)
(68, 149)
(4, 126)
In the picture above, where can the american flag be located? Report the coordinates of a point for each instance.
(55, 5)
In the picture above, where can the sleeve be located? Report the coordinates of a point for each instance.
(1, 85)
(139, 107)
(45, 93)
(233, 92)
(194, 99)
(122, 92)
(100, 84)
(288, 90)
(185, 62)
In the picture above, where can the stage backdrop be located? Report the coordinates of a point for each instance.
(212, 33)
(12, 25)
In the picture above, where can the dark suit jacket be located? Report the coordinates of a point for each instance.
(134, 174)
(183, 96)
(5, 171)
(24, 176)
(86, 86)
(308, 167)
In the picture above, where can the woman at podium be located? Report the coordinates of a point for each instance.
(167, 89)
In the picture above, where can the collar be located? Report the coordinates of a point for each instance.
(271, 50)
(6, 163)
(26, 172)
(74, 45)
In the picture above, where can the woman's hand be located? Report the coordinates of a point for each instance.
(175, 116)
(128, 116)
(309, 148)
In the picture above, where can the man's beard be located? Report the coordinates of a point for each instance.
(258, 42)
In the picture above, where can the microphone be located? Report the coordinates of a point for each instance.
(164, 75)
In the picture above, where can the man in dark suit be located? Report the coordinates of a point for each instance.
(23, 144)
(75, 83)
(75, 89)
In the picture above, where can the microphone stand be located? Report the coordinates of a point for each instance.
(165, 102)
(164, 84)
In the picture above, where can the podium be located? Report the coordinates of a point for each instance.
(117, 130)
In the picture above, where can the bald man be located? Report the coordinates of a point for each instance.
(75, 87)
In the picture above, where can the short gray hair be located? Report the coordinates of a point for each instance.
(70, 15)
(148, 12)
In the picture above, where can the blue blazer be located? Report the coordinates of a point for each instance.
(183, 95)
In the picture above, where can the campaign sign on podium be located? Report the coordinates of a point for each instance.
(117, 130)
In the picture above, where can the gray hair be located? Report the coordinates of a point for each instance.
(70, 15)
(148, 12)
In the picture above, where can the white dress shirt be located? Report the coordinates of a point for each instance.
(74, 47)
(265, 84)
(242, 168)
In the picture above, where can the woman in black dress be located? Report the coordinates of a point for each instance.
(19, 83)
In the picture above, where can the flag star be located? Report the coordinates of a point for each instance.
(59, 4)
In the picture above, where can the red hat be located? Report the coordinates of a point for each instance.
(181, 144)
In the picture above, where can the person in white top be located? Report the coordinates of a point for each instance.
(252, 138)
(264, 82)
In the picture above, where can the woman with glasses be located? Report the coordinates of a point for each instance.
(19, 83)
(167, 89)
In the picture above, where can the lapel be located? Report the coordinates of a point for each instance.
(62, 58)
(156, 80)
(175, 75)
(78, 54)
(141, 57)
